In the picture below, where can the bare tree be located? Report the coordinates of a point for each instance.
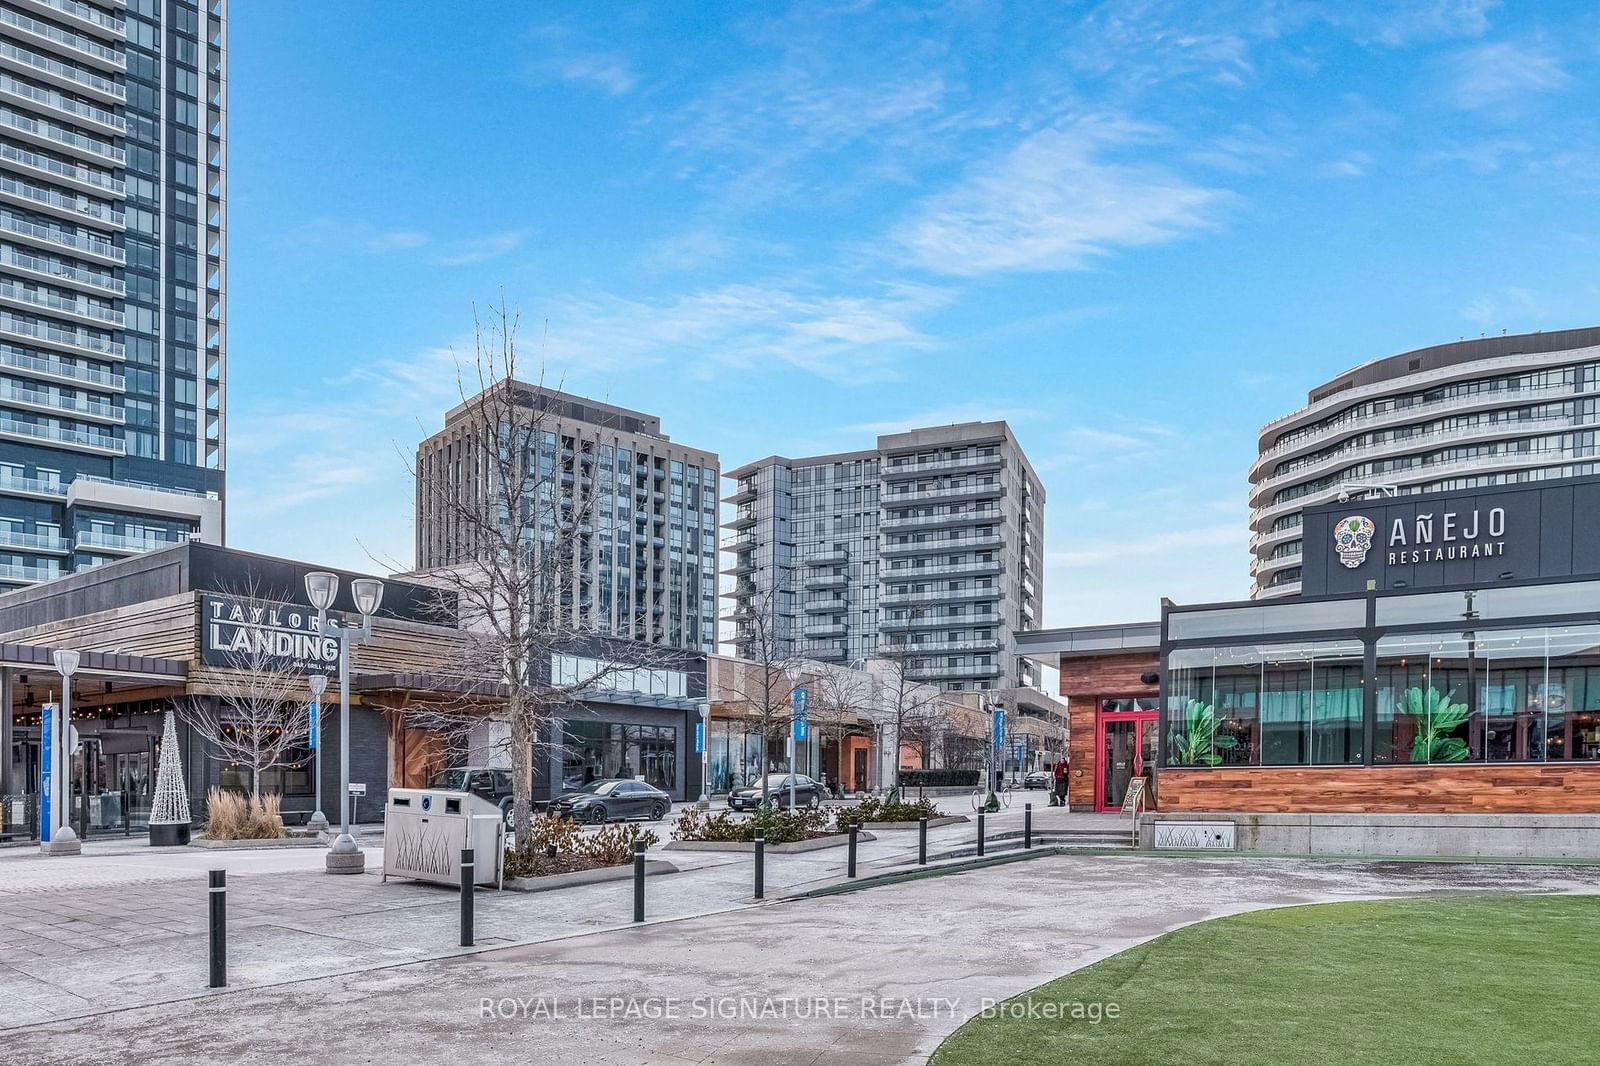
(764, 680)
(520, 526)
(907, 707)
(258, 713)
(840, 699)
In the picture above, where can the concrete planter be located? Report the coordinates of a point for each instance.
(552, 882)
(933, 823)
(832, 840)
(248, 845)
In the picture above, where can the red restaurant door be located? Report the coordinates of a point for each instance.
(1125, 741)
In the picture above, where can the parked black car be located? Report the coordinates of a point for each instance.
(485, 782)
(1037, 779)
(612, 800)
(807, 793)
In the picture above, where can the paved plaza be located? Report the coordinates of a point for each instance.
(103, 957)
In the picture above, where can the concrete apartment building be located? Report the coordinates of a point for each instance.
(113, 268)
(930, 544)
(650, 566)
(1503, 410)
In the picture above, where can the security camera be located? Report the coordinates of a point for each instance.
(1344, 495)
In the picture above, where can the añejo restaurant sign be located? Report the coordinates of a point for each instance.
(245, 633)
(1482, 534)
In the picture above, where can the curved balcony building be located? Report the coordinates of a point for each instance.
(1493, 411)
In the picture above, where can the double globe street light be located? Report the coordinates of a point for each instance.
(344, 857)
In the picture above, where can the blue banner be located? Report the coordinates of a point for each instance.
(999, 725)
(801, 731)
(700, 738)
(316, 723)
(47, 766)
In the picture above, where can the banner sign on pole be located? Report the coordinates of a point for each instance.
(999, 726)
(801, 732)
(700, 737)
(316, 723)
(47, 766)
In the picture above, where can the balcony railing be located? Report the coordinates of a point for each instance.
(60, 435)
(826, 606)
(31, 486)
(60, 238)
(66, 105)
(827, 557)
(826, 581)
(954, 518)
(15, 572)
(36, 542)
(59, 271)
(946, 492)
(942, 544)
(74, 338)
(970, 462)
(85, 13)
(50, 302)
(971, 670)
(930, 647)
(825, 631)
(940, 621)
(902, 599)
(61, 135)
(88, 538)
(44, 64)
(68, 171)
(917, 573)
(84, 46)
(21, 359)
(77, 405)
(78, 205)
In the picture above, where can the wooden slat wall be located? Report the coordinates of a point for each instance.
(160, 629)
(1084, 683)
(1549, 788)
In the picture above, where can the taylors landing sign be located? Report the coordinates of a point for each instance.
(1474, 536)
(244, 633)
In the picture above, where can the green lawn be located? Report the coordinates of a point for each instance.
(1456, 980)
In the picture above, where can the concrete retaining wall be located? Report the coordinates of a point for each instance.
(1530, 836)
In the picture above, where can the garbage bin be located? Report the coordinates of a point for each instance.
(425, 830)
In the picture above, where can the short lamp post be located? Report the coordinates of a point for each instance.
(344, 857)
(319, 685)
(704, 802)
(62, 840)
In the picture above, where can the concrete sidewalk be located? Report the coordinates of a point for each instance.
(900, 965)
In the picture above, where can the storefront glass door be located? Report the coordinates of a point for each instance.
(1127, 746)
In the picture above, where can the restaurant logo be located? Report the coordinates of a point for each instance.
(1352, 539)
(244, 633)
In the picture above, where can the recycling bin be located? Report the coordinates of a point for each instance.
(426, 829)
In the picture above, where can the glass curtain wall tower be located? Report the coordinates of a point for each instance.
(112, 280)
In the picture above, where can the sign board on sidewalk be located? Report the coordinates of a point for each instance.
(358, 788)
(1135, 796)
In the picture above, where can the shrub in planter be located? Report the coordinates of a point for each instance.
(575, 850)
(780, 826)
(613, 845)
(889, 809)
(232, 816)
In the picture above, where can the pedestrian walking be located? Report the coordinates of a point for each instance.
(1058, 798)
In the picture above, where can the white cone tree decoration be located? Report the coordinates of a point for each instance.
(169, 814)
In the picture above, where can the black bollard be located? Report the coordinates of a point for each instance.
(219, 928)
(1027, 825)
(980, 834)
(761, 863)
(853, 828)
(922, 841)
(638, 880)
(469, 874)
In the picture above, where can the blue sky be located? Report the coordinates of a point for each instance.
(1136, 230)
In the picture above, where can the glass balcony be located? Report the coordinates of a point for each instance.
(116, 542)
(78, 405)
(71, 438)
(59, 238)
(81, 339)
(85, 47)
(53, 68)
(75, 109)
(16, 485)
(48, 301)
(56, 270)
(22, 359)
(97, 179)
(33, 542)
(15, 572)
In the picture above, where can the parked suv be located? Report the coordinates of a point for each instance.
(486, 782)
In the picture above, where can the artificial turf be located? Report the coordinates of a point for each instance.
(1451, 980)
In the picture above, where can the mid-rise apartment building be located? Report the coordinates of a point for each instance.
(648, 569)
(928, 546)
(112, 280)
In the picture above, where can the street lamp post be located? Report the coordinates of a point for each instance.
(344, 857)
(319, 685)
(704, 802)
(62, 840)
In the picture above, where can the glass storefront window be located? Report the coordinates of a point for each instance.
(1265, 705)
(595, 751)
(1512, 695)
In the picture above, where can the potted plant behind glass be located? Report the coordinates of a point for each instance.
(1436, 715)
(169, 814)
(1200, 742)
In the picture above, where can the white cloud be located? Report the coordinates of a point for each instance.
(1396, 25)
(1054, 202)
(480, 249)
(604, 70)
(1503, 75)
(1513, 304)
